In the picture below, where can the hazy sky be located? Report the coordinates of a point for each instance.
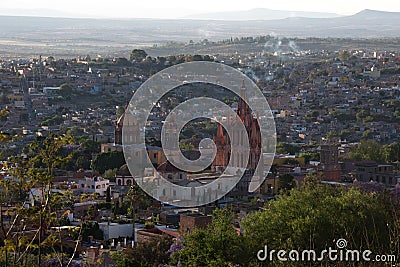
(180, 8)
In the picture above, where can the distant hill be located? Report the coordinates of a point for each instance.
(261, 14)
(375, 14)
(367, 23)
(65, 36)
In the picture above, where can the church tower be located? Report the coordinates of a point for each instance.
(224, 144)
(132, 130)
(223, 150)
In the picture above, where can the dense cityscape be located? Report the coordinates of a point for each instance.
(68, 197)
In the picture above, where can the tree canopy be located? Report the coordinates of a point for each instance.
(66, 89)
(138, 55)
(371, 150)
(316, 215)
(218, 245)
(34, 173)
(313, 216)
(151, 253)
(108, 160)
(286, 148)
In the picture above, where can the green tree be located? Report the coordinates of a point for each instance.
(136, 199)
(286, 148)
(185, 145)
(108, 195)
(367, 135)
(218, 245)
(364, 116)
(4, 113)
(3, 118)
(392, 152)
(151, 253)
(286, 182)
(344, 55)
(82, 162)
(108, 160)
(91, 229)
(121, 259)
(109, 174)
(52, 120)
(75, 131)
(368, 150)
(316, 215)
(66, 90)
(89, 145)
(310, 156)
(138, 55)
(34, 173)
(121, 61)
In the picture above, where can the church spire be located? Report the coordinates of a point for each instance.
(243, 110)
(220, 134)
(242, 100)
(220, 131)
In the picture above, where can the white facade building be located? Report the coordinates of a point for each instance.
(115, 230)
(94, 185)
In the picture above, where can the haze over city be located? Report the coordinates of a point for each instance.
(178, 8)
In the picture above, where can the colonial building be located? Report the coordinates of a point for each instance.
(131, 128)
(92, 185)
(224, 143)
(190, 221)
(329, 154)
(131, 134)
(370, 171)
